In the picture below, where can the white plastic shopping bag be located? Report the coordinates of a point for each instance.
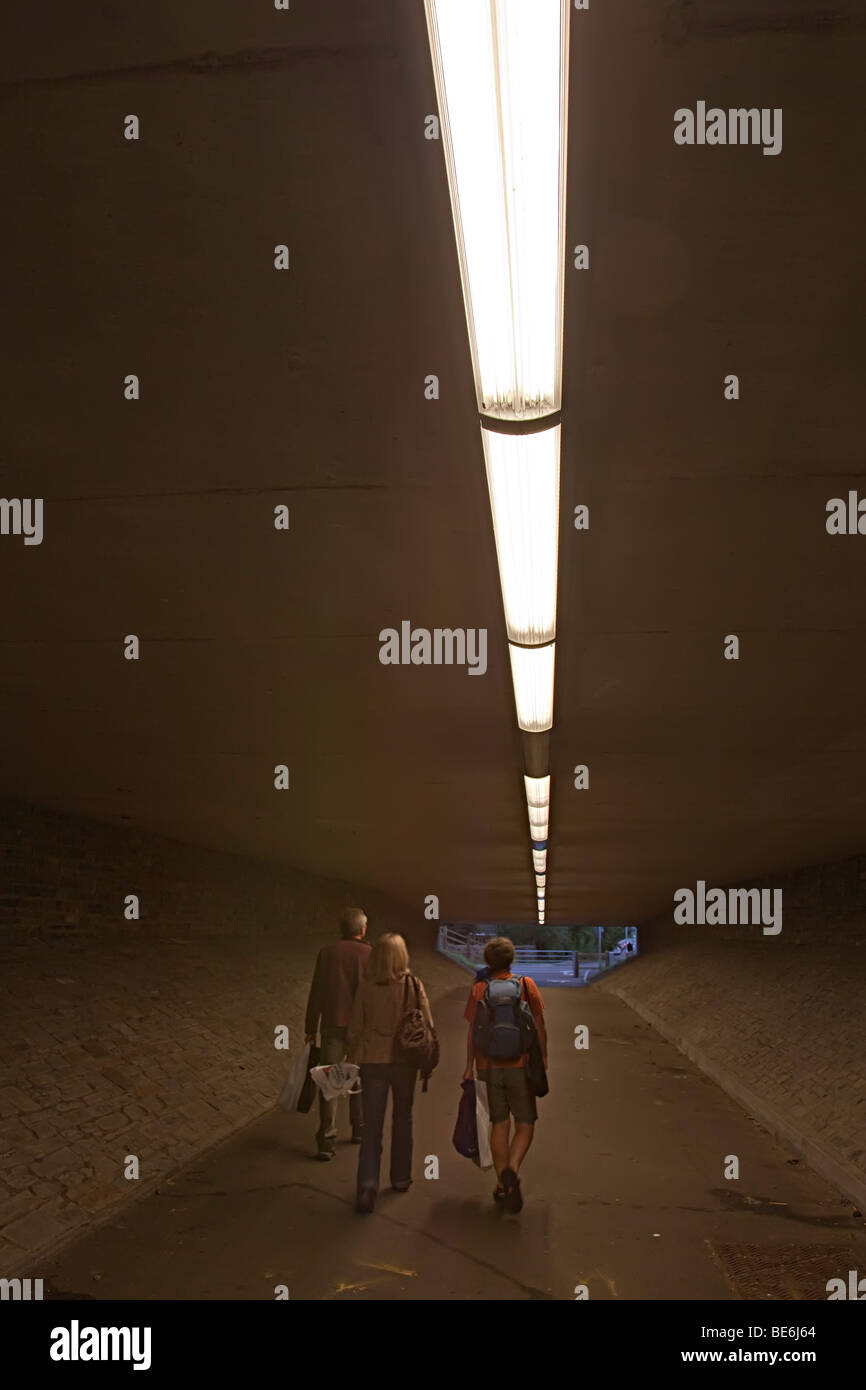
(337, 1079)
(291, 1092)
(482, 1121)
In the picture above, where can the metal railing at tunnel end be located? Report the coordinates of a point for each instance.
(466, 948)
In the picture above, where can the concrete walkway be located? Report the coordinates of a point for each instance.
(624, 1190)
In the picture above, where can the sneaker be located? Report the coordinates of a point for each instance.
(366, 1200)
(513, 1200)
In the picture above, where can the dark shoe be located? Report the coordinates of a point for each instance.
(325, 1155)
(366, 1201)
(499, 1194)
(401, 1186)
(513, 1200)
(357, 1136)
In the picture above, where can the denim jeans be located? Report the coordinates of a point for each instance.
(377, 1079)
(333, 1049)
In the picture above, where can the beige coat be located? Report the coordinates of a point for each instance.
(376, 1014)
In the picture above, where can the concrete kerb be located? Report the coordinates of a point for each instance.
(849, 1181)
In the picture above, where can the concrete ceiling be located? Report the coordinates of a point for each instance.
(307, 387)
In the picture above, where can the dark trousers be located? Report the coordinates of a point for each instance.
(377, 1079)
(333, 1049)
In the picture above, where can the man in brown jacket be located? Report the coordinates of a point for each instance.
(335, 982)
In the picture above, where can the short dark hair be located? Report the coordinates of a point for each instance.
(352, 922)
(499, 953)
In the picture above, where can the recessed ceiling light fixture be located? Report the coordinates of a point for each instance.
(523, 480)
(501, 72)
(532, 674)
(537, 790)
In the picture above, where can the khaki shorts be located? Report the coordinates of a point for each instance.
(508, 1093)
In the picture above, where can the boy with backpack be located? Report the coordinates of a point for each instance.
(505, 1016)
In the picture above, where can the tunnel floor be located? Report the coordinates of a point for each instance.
(624, 1193)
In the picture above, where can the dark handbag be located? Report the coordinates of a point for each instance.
(415, 1041)
(308, 1090)
(465, 1137)
(536, 1076)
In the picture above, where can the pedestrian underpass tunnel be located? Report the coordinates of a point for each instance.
(271, 644)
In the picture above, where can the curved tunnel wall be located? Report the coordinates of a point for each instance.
(156, 1037)
(779, 1022)
(152, 1037)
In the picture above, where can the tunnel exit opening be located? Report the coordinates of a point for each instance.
(560, 955)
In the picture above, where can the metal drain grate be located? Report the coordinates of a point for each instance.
(782, 1271)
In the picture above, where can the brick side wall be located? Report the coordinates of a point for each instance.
(153, 1038)
(779, 1022)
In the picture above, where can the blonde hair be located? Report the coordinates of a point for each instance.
(388, 959)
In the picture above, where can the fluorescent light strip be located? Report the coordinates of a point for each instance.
(537, 790)
(523, 482)
(501, 70)
(532, 674)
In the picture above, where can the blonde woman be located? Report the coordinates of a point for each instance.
(386, 991)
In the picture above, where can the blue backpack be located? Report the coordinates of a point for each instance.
(504, 1027)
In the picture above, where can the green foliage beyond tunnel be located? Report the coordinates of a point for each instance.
(562, 938)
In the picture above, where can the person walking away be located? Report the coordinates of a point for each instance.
(335, 982)
(484, 972)
(387, 990)
(508, 1092)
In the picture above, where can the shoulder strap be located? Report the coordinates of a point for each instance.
(417, 991)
